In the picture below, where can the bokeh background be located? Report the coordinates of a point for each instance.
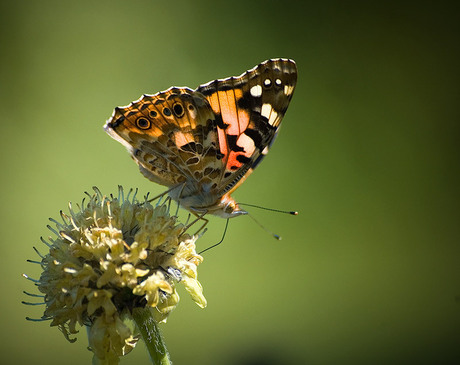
(368, 273)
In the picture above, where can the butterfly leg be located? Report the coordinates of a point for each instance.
(178, 201)
(206, 221)
(198, 218)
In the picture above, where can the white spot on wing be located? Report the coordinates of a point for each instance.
(247, 143)
(273, 117)
(265, 150)
(288, 89)
(266, 110)
(269, 113)
(278, 82)
(256, 91)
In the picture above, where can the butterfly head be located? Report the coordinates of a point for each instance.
(225, 207)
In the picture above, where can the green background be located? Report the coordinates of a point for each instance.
(368, 273)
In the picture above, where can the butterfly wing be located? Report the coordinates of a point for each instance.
(171, 135)
(248, 111)
(206, 142)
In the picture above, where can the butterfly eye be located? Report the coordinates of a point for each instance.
(167, 112)
(143, 123)
(178, 110)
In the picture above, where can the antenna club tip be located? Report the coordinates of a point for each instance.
(277, 237)
(294, 213)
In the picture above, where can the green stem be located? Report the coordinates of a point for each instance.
(151, 336)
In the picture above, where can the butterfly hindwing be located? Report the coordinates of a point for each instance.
(171, 135)
(249, 109)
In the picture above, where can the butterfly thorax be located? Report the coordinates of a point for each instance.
(201, 200)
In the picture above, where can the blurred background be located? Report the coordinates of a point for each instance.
(368, 273)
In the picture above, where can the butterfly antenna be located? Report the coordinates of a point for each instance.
(218, 243)
(265, 228)
(292, 212)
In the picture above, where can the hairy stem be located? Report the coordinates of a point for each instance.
(151, 335)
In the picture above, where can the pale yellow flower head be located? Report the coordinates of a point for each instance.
(110, 256)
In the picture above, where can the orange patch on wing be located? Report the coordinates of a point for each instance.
(238, 93)
(232, 161)
(228, 109)
(225, 104)
(243, 120)
(214, 102)
(182, 139)
(243, 116)
(155, 131)
(222, 142)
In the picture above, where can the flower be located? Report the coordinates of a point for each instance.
(111, 256)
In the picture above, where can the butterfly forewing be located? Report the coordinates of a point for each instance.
(249, 110)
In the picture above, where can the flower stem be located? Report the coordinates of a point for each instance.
(151, 336)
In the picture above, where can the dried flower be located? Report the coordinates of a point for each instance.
(111, 256)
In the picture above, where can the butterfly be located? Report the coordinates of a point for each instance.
(203, 143)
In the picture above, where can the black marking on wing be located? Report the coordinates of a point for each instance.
(220, 123)
(243, 159)
(231, 139)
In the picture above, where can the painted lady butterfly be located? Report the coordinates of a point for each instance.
(204, 143)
